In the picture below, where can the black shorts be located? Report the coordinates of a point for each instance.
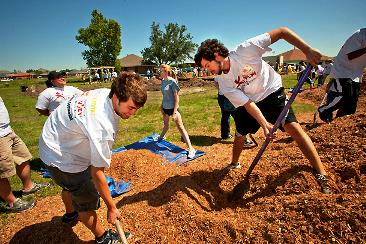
(342, 95)
(271, 107)
(169, 111)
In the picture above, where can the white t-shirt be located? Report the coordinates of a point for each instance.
(319, 70)
(250, 77)
(52, 97)
(353, 69)
(80, 133)
(5, 128)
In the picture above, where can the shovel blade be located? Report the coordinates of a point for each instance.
(239, 190)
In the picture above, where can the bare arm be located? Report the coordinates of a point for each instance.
(176, 102)
(356, 54)
(44, 112)
(101, 184)
(255, 112)
(313, 55)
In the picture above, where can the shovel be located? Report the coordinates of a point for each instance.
(121, 232)
(244, 186)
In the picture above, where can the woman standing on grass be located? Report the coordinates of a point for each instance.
(56, 93)
(170, 106)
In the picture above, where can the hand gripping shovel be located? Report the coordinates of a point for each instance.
(244, 186)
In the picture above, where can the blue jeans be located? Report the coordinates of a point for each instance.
(226, 111)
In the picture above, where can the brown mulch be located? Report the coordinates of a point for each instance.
(171, 204)
(153, 84)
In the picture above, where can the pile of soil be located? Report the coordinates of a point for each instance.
(153, 84)
(188, 204)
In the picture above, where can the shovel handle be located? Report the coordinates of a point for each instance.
(280, 118)
(121, 232)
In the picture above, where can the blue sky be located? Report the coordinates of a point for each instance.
(41, 33)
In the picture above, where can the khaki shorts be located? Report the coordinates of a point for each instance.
(12, 151)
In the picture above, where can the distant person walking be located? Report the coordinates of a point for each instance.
(309, 79)
(170, 106)
(344, 88)
(56, 93)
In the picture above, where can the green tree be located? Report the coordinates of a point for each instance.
(171, 46)
(103, 37)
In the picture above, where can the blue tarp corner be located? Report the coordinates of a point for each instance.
(170, 152)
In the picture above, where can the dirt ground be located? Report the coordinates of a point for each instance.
(188, 204)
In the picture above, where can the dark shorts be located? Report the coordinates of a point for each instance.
(169, 111)
(342, 95)
(84, 195)
(271, 107)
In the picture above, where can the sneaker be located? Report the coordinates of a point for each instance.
(21, 205)
(323, 182)
(234, 166)
(248, 143)
(111, 237)
(227, 138)
(191, 153)
(158, 138)
(68, 218)
(36, 187)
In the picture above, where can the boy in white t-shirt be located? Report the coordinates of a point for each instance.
(56, 93)
(344, 88)
(255, 89)
(76, 144)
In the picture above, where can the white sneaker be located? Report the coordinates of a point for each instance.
(234, 166)
(158, 138)
(248, 143)
(191, 153)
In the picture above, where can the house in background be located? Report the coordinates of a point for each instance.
(293, 56)
(79, 73)
(21, 75)
(135, 64)
(296, 55)
(4, 75)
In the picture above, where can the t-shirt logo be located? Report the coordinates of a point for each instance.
(59, 95)
(247, 74)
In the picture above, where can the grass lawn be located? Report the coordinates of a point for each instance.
(199, 108)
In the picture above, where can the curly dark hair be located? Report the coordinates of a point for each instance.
(208, 49)
(129, 84)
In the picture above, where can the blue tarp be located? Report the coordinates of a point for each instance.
(117, 188)
(170, 152)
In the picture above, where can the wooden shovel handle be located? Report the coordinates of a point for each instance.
(121, 232)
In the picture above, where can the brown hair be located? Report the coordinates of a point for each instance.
(208, 49)
(129, 84)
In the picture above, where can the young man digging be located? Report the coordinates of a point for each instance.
(256, 90)
(76, 144)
